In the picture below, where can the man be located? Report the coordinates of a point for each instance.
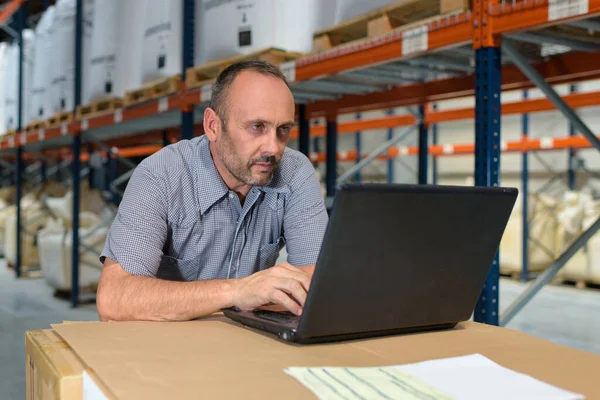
(202, 221)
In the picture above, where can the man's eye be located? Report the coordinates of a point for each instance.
(257, 127)
(285, 130)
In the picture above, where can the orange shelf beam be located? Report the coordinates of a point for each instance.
(524, 15)
(10, 9)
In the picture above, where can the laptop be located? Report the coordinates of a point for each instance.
(395, 259)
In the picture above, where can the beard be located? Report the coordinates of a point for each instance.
(241, 170)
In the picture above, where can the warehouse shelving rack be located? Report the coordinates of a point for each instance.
(399, 69)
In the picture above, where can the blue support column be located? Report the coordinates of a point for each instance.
(423, 148)
(189, 16)
(113, 165)
(303, 130)
(331, 167)
(572, 171)
(390, 161)
(21, 16)
(358, 147)
(19, 195)
(435, 140)
(525, 195)
(316, 145)
(76, 165)
(165, 138)
(43, 171)
(487, 158)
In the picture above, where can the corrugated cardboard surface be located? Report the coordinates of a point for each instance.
(216, 358)
(53, 371)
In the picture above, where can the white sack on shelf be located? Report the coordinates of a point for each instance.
(86, 51)
(243, 26)
(40, 106)
(11, 88)
(62, 69)
(104, 61)
(129, 69)
(162, 42)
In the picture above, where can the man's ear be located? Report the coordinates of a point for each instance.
(212, 124)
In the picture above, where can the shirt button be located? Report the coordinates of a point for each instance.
(231, 195)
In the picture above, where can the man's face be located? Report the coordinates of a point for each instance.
(258, 118)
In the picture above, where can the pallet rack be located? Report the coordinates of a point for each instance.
(411, 68)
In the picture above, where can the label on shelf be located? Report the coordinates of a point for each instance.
(558, 9)
(289, 70)
(84, 124)
(118, 115)
(23, 138)
(206, 93)
(415, 40)
(41, 135)
(64, 129)
(163, 104)
(547, 143)
(403, 151)
(448, 149)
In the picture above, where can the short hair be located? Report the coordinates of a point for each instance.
(218, 101)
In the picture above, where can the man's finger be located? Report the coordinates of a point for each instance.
(279, 297)
(294, 288)
(297, 274)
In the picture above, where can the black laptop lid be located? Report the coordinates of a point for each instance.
(400, 256)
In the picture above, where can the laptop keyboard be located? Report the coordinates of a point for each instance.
(274, 316)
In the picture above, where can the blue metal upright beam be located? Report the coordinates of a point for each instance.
(487, 158)
(572, 153)
(390, 161)
(434, 139)
(358, 148)
(19, 195)
(76, 164)
(331, 164)
(423, 148)
(22, 24)
(525, 195)
(189, 16)
(303, 130)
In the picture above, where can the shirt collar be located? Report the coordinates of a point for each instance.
(211, 187)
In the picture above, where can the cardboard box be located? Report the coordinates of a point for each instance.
(447, 6)
(216, 358)
(53, 371)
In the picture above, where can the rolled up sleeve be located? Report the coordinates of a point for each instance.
(137, 236)
(305, 219)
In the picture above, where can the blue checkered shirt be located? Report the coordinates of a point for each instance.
(179, 221)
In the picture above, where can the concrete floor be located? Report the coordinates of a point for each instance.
(559, 314)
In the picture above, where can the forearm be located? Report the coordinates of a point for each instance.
(122, 296)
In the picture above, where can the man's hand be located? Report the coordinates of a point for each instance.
(282, 284)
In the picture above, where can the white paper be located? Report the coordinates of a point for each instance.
(471, 377)
(415, 40)
(477, 377)
(91, 391)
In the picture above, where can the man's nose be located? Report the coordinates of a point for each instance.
(271, 145)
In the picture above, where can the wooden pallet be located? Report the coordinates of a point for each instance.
(34, 126)
(11, 132)
(153, 90)
(203, 74)
(378, 22)
(27, 272)
(98, 107)
(59, 118)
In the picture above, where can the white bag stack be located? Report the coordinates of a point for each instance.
(55, 246)
(40, 106)
(161, 54)
(129, 68)
(62, 69)
(3, 65)
(237, 27)
(103, 64)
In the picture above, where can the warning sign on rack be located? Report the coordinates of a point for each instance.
(415, 40)
(559, 9)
